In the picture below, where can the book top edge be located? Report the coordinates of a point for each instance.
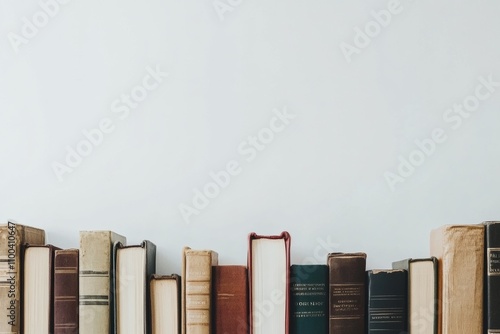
(347, 255)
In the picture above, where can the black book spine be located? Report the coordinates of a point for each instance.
(387, 301)
(492, 277)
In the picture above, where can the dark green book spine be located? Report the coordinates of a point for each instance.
(309, 299)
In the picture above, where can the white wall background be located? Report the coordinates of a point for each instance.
(322, 178)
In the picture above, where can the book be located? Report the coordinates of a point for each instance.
(269, 283)
(66, 291)
(492, 278)
(460, 253)
(196, 290)
(387, 303)
(13, 236)
(309, 299)
(133, 266)
(38, 288)
(230, 299)
(422, 294)
(96, 302)
(347, 291)
(165, 304)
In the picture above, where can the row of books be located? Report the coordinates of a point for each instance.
(107, 286)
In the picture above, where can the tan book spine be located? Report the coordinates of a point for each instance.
(95, 294)
(12, 239)
(460, 253)
(197, 287)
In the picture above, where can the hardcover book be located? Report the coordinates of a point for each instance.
(460, 253)
(38, 288)
(196, 290)
(347, 291)
(133, 266)
(13, 236)
(309, 299)
(492, 278)
(166, 304)
(387, 302)
(269, 283)
(230, 298)
(66, 291)
(96, 304)
(422, 294)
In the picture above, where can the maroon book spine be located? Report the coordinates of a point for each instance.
(230, 291)
(66, 292)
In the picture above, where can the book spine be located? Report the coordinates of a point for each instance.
(198, 287)
(460, 253)
(167, 319)
(387, 302)
(492, 270)
(347, 292)
(309, 299)
(253, 319)
(66, 292)
(12, 238)
(230, 293)
(95, 297)
(149, 271)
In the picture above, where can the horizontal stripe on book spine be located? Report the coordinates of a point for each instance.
(66, 271)
(94, 297)
(93, 303)
(94, 272)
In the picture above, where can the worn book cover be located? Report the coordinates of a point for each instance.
(66, 291)
(309, 299)
(460, 253)
(347, 293)
(387, 301)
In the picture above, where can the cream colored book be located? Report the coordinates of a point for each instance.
(165, 304)
(96, 292)
(12, 237)
(460, 253)
(196, 290)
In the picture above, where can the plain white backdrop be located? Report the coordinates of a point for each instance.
(232, 65)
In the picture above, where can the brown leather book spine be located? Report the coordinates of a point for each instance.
(347, 293)
(230, 293)
(66, 291)
(287, 239)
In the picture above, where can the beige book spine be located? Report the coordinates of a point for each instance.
(460, 253)
(12, 237)
(95, 281)
(197, 289)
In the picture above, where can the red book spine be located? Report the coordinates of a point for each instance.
(230, 293)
